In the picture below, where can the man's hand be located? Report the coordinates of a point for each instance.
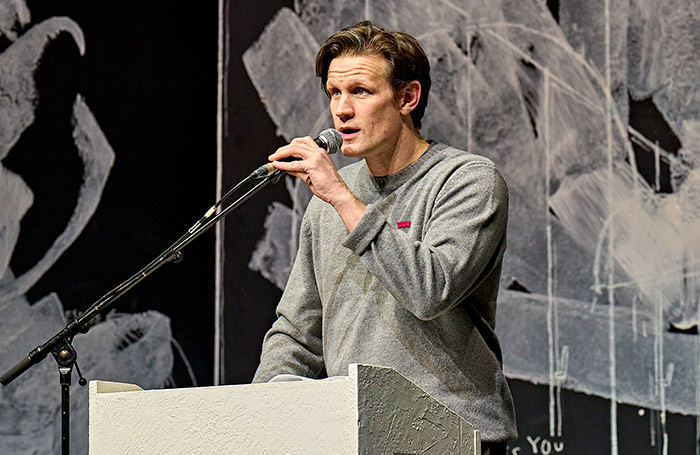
(315, 168)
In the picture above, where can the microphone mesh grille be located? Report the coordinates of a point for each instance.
(333, 138)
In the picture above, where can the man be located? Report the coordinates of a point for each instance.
(400, 254)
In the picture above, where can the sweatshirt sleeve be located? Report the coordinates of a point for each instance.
(462, 242)
(293, 345)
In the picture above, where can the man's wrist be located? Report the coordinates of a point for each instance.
(349, 207)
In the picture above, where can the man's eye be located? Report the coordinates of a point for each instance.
(360, 91)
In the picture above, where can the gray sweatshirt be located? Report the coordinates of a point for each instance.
(413, 287)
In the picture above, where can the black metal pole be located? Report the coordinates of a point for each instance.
(65, 357)
(65, 373)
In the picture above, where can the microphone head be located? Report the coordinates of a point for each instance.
(332, 140)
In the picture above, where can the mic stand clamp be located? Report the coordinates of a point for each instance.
(66, 357)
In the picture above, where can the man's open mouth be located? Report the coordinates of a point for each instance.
(349, 131)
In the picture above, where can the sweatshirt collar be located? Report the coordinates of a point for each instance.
(388, 183)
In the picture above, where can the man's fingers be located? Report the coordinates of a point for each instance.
(285, 152)
(300, 147)
(306, 178)
(290, 166)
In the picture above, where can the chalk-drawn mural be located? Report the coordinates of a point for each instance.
(116, 348)
(601, 284)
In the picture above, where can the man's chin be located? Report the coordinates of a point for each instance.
(351, 152)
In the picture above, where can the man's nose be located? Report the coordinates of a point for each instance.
(343, 107)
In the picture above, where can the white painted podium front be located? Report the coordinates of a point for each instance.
(372, 411)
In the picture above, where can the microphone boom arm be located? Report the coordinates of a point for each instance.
(171, 254)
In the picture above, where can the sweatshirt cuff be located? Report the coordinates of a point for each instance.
(369, 226)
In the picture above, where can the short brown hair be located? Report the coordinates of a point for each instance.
(406, 58)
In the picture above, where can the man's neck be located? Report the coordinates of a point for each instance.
(409, 148)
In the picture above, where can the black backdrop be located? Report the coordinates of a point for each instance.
(249, 298)
(149, 76)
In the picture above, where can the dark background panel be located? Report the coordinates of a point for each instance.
(149, 76)
(585, 426)
(250, 299)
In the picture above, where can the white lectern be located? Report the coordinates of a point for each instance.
(372, 411)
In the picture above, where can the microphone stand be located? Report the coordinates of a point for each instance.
(60, 345)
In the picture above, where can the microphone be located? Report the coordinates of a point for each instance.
(330, 140)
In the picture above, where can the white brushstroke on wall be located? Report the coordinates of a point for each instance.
(552, 339)
(609, 195)
(14, 14)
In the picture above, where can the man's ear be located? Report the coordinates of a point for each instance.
(411, 97)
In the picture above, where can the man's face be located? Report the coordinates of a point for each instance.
(364, 106)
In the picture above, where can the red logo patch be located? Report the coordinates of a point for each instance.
(403, 224)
